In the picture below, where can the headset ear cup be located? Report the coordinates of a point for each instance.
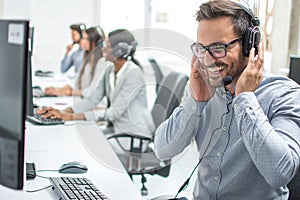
(256, 39)
(246, 42)
(120, 49)
(250, 40)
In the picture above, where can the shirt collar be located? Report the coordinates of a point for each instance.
(122, 70)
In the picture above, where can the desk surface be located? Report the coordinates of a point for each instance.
(51, 146)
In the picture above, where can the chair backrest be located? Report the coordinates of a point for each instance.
(157, 71)
(169, 95)
(294, 187)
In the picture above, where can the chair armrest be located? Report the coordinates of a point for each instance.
(132, 138)
(124, 135)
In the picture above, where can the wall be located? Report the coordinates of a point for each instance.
(15, 9)
(1, 8)
(51, 20)
(281, 37)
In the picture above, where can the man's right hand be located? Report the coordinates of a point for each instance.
(69, 48)
(199, 86)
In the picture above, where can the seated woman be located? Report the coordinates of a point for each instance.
(91, 69)
(123, 84)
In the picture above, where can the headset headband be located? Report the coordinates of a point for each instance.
(254, 19)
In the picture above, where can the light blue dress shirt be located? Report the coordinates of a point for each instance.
(254, 140)
(75, 59)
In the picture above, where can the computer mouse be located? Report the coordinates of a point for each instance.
(38, 71)
(73, 168)
(37, 87)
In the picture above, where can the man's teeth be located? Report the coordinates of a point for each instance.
(216, 69)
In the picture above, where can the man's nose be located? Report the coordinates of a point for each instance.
(208, 59)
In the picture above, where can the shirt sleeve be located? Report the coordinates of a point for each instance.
(176, 133)
(66, 63)
(89, 103)
(95, 115)
(124, 96)
(273, 143)
(127, 90)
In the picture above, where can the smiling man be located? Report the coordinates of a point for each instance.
(245, 122)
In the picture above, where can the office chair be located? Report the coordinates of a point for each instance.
(294, 187)
(157, 71)
(141, 159)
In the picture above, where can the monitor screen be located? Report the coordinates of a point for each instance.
(13, 67)
(295, 68)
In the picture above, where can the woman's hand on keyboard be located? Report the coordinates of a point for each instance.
(43, 110)
(58, 114)
(65, 115)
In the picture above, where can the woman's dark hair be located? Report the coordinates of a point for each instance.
(123, 35)
(225, 8)
(96, 37)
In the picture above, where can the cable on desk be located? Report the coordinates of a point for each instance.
(38, 175)
(47, 170)
(40, 189)
(42, 176)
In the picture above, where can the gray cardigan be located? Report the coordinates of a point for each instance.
(128, 109)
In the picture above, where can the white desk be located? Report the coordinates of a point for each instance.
(51, 146)
(56, 102)
(55, 81)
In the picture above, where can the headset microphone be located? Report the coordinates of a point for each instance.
(228, 79)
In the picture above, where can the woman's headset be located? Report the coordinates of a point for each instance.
(123, 49)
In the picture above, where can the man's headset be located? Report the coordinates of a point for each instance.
(123, 49)
(252, 36)
(78, 27)
(250, 39)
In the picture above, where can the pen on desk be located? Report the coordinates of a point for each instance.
(60, 103)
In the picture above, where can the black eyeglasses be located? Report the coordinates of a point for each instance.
(217, 51)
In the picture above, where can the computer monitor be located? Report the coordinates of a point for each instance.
(13, 67)
(29, 96)
(295, 68)
(30, 40)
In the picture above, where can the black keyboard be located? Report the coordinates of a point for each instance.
(39, 120)
(69, 188)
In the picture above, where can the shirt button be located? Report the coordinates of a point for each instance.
(216, 178)
(235, 106)
(242, 132)
(224, 128)
(219, 154)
